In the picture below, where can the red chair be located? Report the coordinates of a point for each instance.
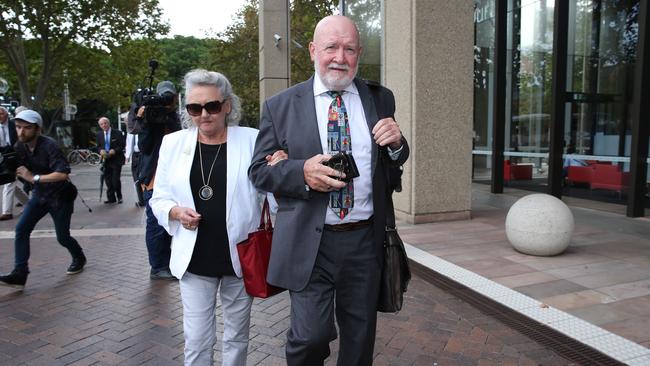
(610, 177)
(580, 174)
(516, 171)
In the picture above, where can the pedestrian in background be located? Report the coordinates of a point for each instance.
(132, 156)
(152, 123)
(111, 145)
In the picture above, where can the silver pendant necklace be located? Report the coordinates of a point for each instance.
(206, 192)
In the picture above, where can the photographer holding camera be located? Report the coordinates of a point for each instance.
(7, 140)
(152, 116)
(42, 163)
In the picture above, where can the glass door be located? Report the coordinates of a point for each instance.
(602, 52)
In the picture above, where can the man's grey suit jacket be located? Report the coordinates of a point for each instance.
(289, 123)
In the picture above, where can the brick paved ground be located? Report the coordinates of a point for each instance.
(113, 314)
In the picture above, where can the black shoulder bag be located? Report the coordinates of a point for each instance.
(396, 274)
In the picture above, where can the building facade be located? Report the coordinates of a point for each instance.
(543, 95)
(600, 122)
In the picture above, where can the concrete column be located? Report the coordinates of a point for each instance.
(274, 53)
(428, 58)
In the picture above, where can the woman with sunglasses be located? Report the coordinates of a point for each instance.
(203, 198)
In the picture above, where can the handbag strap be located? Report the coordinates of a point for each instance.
(265, 218)
(390, 209)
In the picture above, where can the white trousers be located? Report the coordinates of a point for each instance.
(199, 296)
(8, 198)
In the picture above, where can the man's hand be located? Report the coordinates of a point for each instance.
(188, 217)
(276, 157)
(102, 153)
(24, 173)
(387, 132)
(111, 152)
(140, 113)
(320, 177)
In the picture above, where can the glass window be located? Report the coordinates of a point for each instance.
(529, 97)
(597, 135)
(367, 14)
(483, 97)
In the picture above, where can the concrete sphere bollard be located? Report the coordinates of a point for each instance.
(539, 224)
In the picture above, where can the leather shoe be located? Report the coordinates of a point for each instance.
(4, 217)
(109, 201)
(15, 279)
(162, 274)
(119, 200)
(77, 265)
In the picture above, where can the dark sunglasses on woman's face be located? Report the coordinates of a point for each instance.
(195, 109)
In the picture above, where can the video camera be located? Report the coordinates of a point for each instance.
(162, 97)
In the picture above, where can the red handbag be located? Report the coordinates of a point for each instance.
(254, 254)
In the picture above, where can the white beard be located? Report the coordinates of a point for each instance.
(332, 82)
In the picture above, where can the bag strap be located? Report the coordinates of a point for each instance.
(384, 110)
(390, 209)
(265, 218)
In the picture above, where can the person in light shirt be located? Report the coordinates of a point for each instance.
(132, 155)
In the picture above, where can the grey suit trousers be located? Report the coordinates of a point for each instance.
(345, 282)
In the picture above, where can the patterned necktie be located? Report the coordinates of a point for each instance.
(338, 139)
(3, 137)
(107, 141)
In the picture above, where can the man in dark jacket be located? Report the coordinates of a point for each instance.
(111, 148)
(152, 123)
(327, 242)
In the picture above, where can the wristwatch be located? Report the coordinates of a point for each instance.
(37, 178)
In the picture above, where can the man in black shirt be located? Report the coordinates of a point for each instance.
(43, 164)
(152, 123)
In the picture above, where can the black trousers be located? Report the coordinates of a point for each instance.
(345, 284)
(135, 164)
(112, 172)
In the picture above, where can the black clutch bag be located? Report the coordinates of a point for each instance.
(344, 162)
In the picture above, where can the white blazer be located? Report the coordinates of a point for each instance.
(172, 188)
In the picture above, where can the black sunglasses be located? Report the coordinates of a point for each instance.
(196, 109)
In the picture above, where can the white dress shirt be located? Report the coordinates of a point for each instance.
(4, 130)
(131, 145)
(361, 149)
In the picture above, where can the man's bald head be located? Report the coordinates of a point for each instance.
(104, 123)
(335, 51)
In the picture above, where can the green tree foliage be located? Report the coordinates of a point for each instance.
(180, 54)
(305, 14)
(235, 54)
(39, 37)
(236, 51)
(367, 15)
